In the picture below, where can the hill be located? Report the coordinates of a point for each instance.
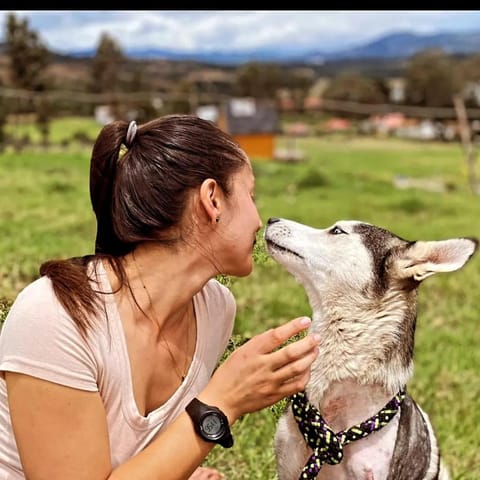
(397, 45)
(387, 56)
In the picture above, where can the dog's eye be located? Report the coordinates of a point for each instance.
(337, 230)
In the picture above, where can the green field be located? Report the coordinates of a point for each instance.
(45, 213)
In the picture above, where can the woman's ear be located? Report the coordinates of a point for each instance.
(210, 199)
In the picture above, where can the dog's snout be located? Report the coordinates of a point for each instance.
(272, 220)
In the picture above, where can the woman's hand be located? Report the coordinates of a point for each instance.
(206, 473)
(258, 374)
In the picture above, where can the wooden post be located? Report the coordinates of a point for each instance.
(466, 137)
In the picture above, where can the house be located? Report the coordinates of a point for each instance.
(396, 89)
(252, 123)
(107, 113)
(208, 112)
(285, 100)
(419, 130)
(336, 124)
(388, 123)
(472, 92)
(103, 114)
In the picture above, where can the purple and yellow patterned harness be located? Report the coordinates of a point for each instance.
(327, 445)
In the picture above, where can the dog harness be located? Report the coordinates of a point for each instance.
(327, 445)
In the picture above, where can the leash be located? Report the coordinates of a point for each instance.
(327, 445)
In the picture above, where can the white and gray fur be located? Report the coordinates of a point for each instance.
(361, 281)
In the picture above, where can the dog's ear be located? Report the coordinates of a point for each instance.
(422, 259)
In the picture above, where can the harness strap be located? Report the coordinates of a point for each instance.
(327, 445)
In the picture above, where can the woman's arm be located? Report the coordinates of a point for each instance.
(61, 432)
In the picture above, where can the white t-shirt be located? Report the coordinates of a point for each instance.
(40, 339)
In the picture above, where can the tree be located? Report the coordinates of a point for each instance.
(4, 111)
(181, 98)
(298, 81)
(469, 72)
(351, 86)
(28, 57)
(258, 80)
(432, 79)
(106, 66)
(263, 80)
(470, 68)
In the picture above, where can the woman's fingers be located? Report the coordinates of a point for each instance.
(273, 338)
(291, 353)
(296, 369)
(293, 385)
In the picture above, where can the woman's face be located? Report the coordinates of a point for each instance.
(238, 225)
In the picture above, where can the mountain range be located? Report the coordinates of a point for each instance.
(396, 45)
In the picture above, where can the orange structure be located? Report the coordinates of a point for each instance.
(252, 123)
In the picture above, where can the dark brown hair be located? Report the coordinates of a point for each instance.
(137, 195)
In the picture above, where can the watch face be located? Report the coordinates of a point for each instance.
(212, 425)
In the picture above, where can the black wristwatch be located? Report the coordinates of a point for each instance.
(210, 423)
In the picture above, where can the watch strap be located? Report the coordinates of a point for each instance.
(196, 409)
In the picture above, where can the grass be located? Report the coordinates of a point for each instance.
(45, 213)
(61, 130)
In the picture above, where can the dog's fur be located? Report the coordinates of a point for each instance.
(361, 281)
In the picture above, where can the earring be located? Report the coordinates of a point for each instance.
(217, 219)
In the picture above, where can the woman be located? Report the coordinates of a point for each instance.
(108, 361)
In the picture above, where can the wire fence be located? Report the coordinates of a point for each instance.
(157, 99)
(197, 98)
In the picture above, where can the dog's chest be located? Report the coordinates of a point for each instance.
(366, 459)
(345, 404)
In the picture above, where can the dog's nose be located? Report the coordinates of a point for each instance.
(272, 220)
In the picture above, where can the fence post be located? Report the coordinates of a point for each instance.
(466, 137)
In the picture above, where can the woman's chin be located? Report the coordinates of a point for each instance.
(242, 271)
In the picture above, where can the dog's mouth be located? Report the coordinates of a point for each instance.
(271, 245)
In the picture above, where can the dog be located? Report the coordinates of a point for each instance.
(355, 419)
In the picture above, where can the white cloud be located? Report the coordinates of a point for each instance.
(234, 30)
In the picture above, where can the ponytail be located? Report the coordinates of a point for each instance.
(69, 278)
(103, 168)
(71, 285)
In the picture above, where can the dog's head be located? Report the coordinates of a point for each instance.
(357, 257)
(361, 281)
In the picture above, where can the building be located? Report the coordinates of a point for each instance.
(252, 123)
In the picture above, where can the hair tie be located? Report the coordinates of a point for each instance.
(131, 132)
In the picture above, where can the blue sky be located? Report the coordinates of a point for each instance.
(206, 30)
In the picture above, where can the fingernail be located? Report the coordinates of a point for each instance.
(317, 337)
(305, 321)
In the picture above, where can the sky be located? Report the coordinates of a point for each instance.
(65, 31)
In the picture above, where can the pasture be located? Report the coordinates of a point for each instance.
(45, 213)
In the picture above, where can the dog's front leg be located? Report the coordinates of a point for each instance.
(291, 451)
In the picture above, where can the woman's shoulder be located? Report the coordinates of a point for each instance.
(35, 307)
(40, 296)
(39, 338)
(218, 298)
(36, 294)
(215, 288)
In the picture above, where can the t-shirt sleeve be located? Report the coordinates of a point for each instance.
(40, 339)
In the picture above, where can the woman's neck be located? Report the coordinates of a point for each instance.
(163, 281)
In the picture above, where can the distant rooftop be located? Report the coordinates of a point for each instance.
(247, 115)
